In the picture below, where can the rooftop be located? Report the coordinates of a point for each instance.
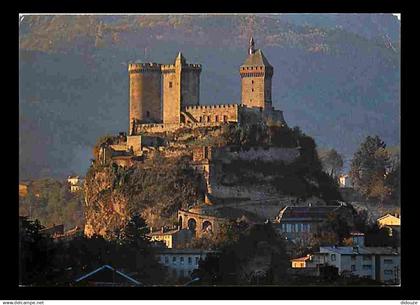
(256, 59)
(360, 250)
(317, 212)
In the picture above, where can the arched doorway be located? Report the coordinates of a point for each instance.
(180, 222)
(207, 226)
(192, 224)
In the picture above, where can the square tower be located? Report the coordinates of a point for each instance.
(181, 88)
(256, 74)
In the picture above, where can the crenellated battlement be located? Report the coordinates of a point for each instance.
(171, 67)
(142, 67)
(205, 107)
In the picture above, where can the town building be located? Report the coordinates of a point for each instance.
(75, 183)
(173, 238)
(181, 262)
(53, 231)
(391, 222)
(301, 222)
(345, 181)
(107, 276)
(377, 263)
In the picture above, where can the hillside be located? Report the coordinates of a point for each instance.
(337, 81)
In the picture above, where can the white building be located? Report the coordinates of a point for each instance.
(181, 262)
(378, 263)
(75, 183)
(345, 181)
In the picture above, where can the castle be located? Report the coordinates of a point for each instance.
(166, 96)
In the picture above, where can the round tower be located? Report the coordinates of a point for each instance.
(145, 94)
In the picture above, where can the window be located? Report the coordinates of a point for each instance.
(225, 118)
(174, 259)
(196, 260)
(189, 260)
(217, 118)
(353, 267)
(252, 89)
(208, 118)
(170, 84)
(252, 82)
(181, 260)
(387, 261)
(367, 267)
(147, 114)
(201, 119)
(166, 259)
(333, 257)
(288, 227)
(388, 272)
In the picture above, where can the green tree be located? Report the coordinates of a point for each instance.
(369, 167)
(258, 257)
(332, 162)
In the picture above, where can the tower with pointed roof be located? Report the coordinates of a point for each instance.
(256, 73)
(180, 87)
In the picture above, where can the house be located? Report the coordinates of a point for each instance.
(301, 222)
(345, 181)
(23, 189)
(377, 263)
(107, 276)
(75, 183)
(172, 238)
(53, 231)
(181, 262)
(391, 222)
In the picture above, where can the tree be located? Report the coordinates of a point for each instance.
(258, 257)
(332, 162)
(369, 167)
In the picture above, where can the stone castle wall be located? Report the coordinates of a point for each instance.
(171, 90)
(214, 113)
(256, 86)
(145, 93)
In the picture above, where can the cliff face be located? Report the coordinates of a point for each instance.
(105, 207)
(113, 194)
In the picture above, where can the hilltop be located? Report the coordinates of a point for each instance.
(337, 81)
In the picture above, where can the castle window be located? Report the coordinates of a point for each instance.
(208, 118)
(217, 118)
(225, 118)
(201, 119)
(170, 84)
(252, 89)
(252, 82)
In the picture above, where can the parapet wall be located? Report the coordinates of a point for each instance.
(226, 154)
(206, 114)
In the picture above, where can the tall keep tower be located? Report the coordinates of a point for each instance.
(256, 74)
(181, 88)
(145, 94)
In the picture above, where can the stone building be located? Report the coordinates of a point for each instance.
(169, 94)
(173, 238)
